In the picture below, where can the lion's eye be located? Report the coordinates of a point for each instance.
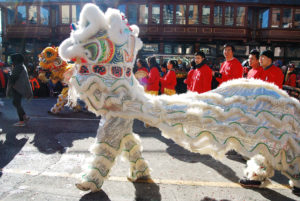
(87, 53)
(91, 51)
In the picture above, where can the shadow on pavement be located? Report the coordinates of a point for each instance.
(146, 191)
(269, 194)
(98, 196)
(212, 199)
(48, 130)
(207, 160)
(10, 148)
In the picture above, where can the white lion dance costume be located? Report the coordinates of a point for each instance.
(255, 118)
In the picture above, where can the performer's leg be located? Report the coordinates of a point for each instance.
(139, 168)
(61, 101)
(105, 150)
(257, 172)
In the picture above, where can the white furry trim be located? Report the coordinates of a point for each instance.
(258, 168)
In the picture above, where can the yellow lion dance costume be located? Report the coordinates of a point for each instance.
(50, 61)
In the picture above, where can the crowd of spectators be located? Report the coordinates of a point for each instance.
(175, 76)
(201, 76)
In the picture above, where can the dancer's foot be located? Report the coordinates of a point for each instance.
(249, 183)
(19, 123)
(85, 186)
(296, 190)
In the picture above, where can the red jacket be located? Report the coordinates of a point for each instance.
(201, 79)
(153, 80)
(188, 81)
(2, 79)
(230, 70)
(291, 79)
(274, 75)
(256, 73)
(169, 80)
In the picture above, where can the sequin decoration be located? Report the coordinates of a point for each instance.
(99, 69)
(116, 71)
(83, 70)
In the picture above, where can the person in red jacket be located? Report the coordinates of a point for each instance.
(256, 72)
(169, 81)
(231, 68)
(291, 76)
(163, 74)
(202, 75)
(142, 72)
(188, 81)
(2, 81)
(272, 73)
(153, 77)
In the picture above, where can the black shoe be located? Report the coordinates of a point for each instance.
(231, 152)
(296, 191)
(249, 183)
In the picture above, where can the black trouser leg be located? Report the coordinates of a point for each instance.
(17, 98)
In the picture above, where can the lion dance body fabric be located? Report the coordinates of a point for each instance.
(253, 117)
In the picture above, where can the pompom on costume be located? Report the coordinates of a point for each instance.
(253, 117)
(49, 60)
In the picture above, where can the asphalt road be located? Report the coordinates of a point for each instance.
(43, 160)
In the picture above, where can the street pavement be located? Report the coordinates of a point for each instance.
(42, 161)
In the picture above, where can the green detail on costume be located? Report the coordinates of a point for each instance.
(232, 137)
(103, 51)
(117, 149)
(137, 160)
(128, 150)
(104, 156)
(139, 172)
(102, 174)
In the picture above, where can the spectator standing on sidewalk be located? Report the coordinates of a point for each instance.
(231, 68)
(202, 75)
(142, 72)
(168, 82)
(19, 86)
(2, 81)
(256, 72)
(272, 73)
(163, 73)
(291, 76)
(188, 81)
(153, 77)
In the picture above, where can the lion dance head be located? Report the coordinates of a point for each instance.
(104, 47)
(49, 60)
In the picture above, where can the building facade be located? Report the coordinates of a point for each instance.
(168, 28)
